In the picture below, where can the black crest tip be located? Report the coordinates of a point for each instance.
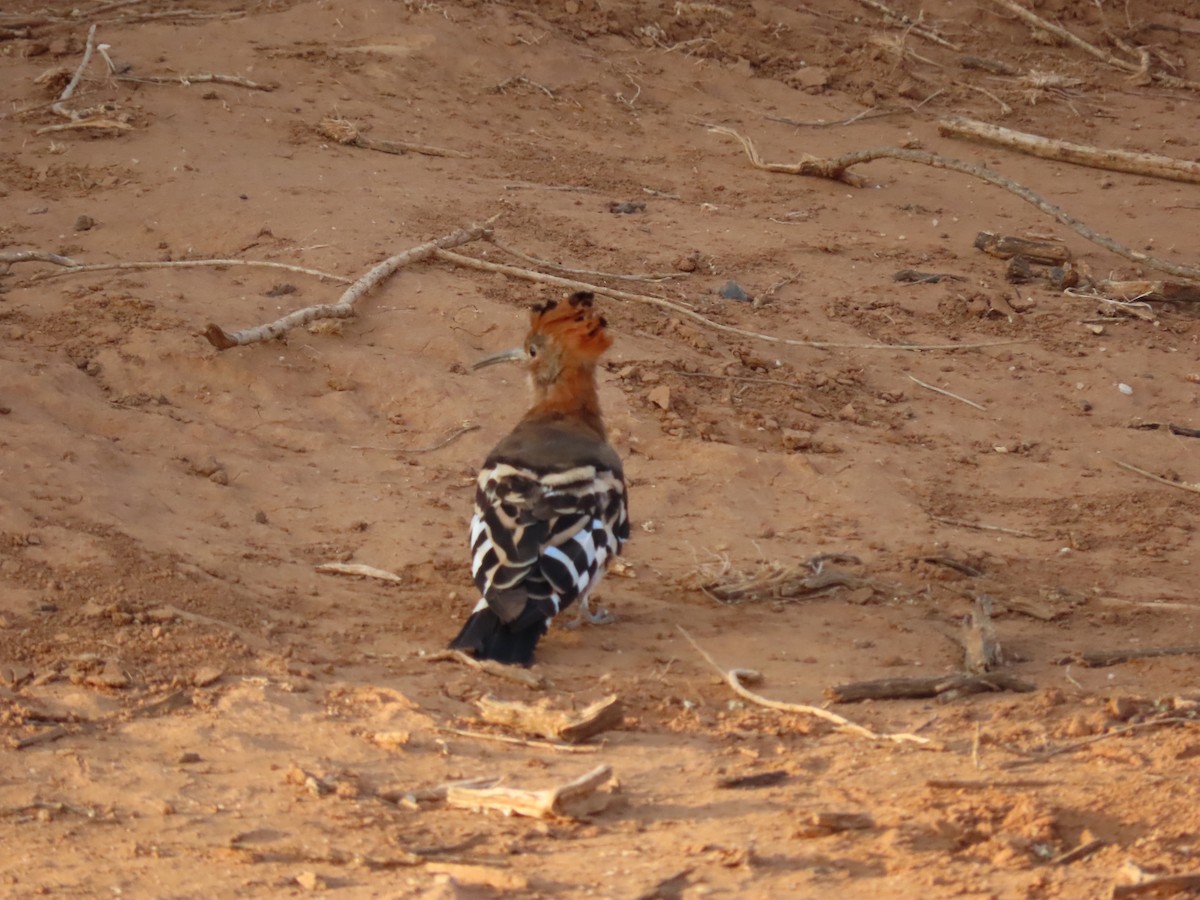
(582, 298)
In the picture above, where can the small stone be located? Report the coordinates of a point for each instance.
(188, 757)
(1125, 389)
(391, 740)
(111, 676)
(731, 290)
(311, 881)
(15, 676)
(219, 477)
(660, 396)
(794, 439)
(85, 223)
(686, 264)
(261, 517)
(809, 78)
(627, 208)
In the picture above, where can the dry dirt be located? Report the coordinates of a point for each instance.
(189, 709)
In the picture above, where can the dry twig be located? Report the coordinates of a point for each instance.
(491, 667)
(199, 78)
(946, 393)
(1099, 659)
(344, 308)
(340, 568)
(1182, 485)
(910, 26)
(735, 678)
(679, 309)
(837, 170)
(1166, 885)
(343, 131)
(522, 742)
(67, 91)
(1065, 151)
(76, 268)
(979, 526)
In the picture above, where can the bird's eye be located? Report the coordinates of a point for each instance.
(532, 352)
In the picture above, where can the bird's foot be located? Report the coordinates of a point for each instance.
(600, 617)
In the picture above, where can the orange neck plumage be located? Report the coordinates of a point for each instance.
(572, 396)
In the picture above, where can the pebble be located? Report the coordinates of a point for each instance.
(731, 290)
(660, 396)
(85, 223)
(1124, 389)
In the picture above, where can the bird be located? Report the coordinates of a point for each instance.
(551, 507)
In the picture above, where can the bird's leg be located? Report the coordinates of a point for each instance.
(600, 617)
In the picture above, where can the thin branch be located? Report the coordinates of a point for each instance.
(679, 309)
(344, 308)
(449, 439)
(909, 24)
(8, 257)
(836, 169)
(979, 526)
(523, 742)
(76, 268)
(88, 49)
(733, 678)
(199, 78)
(1182, 485)
(945, 393)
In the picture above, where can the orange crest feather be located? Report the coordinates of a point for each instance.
(575, 325)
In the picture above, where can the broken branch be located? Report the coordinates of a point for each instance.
(1065, 151)
(344, 308)
(936, 686)
(734, 678)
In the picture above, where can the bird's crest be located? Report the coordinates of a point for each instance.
(573, 324)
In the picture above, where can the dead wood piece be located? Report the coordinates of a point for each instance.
(735, 678)
(47, 736)
(1160, 290)
(957, 784)
(946, 393)
(8, 257)
(838, 167)
(339, 568)
(951, 563)
(1099, 659)
(757, 780)
(566, 725)
(820, 824)
(571, 800)
(980, 645)
(983, 64)
(344, 308)
(914, 276)
(187, 264)
(1004, 246)
(1150, 164)
(934, 686)
(1165, 885)
(910, 26)
(669, 888)
(1083, 851)
(491, 667)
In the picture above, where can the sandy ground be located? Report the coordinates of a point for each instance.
(189, 709)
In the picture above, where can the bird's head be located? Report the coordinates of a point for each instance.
(563, 335)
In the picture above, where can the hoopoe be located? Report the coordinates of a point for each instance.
(550, 502)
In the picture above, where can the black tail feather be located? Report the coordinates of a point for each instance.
(485, 636)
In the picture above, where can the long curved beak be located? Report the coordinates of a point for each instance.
(515, 354)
